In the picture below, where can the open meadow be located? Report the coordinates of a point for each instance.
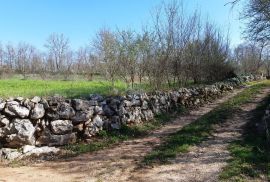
(70, 89)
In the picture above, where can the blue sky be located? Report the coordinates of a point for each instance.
(33, 21)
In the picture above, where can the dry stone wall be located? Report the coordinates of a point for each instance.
(58, 121)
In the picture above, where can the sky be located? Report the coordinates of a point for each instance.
(32, 21)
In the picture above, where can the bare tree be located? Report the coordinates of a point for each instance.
(128, 55)
(107, 49)
(145, 45)
(57, 45)
(10, 55)
(249, 56)
(257, 12)
(24, 57)
(85, 63)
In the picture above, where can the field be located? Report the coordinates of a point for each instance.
(75, 87)
(29, 88)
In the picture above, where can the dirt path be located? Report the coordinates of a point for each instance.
(205, 161)
(119, 163)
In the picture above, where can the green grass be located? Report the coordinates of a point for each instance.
(250, 156)
(71, 89)
(108, 138)
(201, 129)
(34, 86)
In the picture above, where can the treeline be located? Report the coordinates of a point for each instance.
(177, 48)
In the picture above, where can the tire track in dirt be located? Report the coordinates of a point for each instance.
(205, 161)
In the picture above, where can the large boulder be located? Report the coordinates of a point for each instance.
(38, 111)
(61, 127)
(21, 132)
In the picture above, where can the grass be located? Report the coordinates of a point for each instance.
(15, 87)
(250, 156)
(76, 87)
(106, 139)
(201, 129)
(71, 89)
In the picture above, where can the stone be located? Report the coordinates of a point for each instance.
(98, 121)
(93, 103)
(78, 128)
(91, 130)
(37, 151)
(19, 99)
(162, 100)
(115, 122)
(197, 101)
(98, 110)
(114, 102)
(21, 133)
(122, 111)
(49, 139)
(36, 99)
(80, 105)
(27, 148)
(4, 121)
(144, 105)
(65, 111)
(28, 104)
(45, 103)
(96, 97)
(55, 100)
(148, 115)
(10, 99)
(53, 115)
(8, 104)
(115, 126)
(61, 127)
(108, 111)
(38, 112)
(82, 116)
(14, 109)
(136, 102)
(127, 103)
(4, 132)
(10, 154)
(2, 104)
